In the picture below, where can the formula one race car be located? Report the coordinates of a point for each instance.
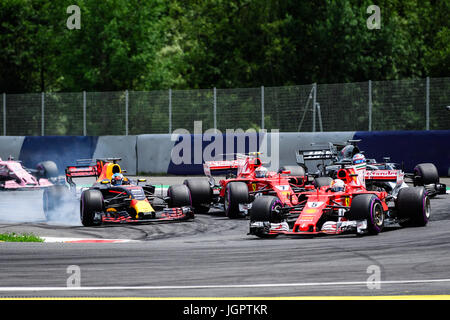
(384, 175)
(114, 198)
(345, 206)
(245, 177)
(14, 176)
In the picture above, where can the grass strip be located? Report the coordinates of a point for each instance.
(14, 237)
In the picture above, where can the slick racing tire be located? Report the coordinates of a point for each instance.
(413, 207)
(91, 202)
(201, 194)
(179, 196)
(53, 198)
(322, 181)
(368, 207)
(47, 169)
(296, 171)
(266, 209)
(235, 193)
(425, 173)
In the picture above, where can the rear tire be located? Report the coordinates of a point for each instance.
(201, 194)
(91, 202)
(426, 173)
(414, 206)
(235, 193)
(368, 207)
(296, 171)
(322, 181)
(48, 169)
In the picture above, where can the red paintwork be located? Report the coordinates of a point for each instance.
(246, 173)
(321, 199)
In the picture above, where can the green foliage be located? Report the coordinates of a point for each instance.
(151, 45)
(154, 45)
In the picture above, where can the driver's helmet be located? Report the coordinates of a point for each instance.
(358, 158)
(337, 185)
(261, 172)
(117, 179)
(347, 152)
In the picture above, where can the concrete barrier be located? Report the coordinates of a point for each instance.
(185, 153)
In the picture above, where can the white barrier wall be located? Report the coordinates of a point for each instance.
(152, 153)
(123, 147)
(10, 146)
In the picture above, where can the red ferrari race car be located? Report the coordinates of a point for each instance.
(14, 176)
(113, 198)
(245, 177)
(344, 206)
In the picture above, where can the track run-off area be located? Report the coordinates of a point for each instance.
(212, 256)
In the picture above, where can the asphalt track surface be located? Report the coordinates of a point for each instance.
(212, 256)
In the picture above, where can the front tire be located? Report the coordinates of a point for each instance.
(235, 194)
(414, 208)
(53, 197)
(266, 209)
(91, 202)
(368, 207)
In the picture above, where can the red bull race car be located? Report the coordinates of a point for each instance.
(113, 198)
(345, 205)
(245, 177)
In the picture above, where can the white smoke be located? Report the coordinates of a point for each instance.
(27, 206)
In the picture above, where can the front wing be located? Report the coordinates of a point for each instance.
(168, 214)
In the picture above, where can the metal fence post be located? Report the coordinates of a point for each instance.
(126, 112)
(42, 114)
(215, 109)
(427, 104)
(370, 105)
(84, 113)
(170, 110)
(314, 107)
(262, 107)
(4, 113)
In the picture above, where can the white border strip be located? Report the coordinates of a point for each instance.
(85, 240)
(237, 286)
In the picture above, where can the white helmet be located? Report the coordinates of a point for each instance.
(337, 185)
(358, 158)
(261, 172)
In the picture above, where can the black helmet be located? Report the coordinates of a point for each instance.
(348, 152)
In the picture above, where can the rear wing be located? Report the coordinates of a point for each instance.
(323, 152)
(81, 171)
(221, 167)
(384, 175)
